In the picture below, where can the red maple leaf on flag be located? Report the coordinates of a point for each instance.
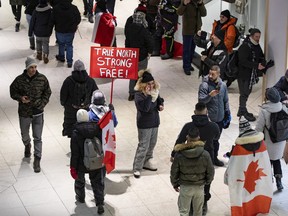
(252, 174)
(112, 138)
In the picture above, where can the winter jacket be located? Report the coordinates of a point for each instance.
(217, 105)
(147, 111)
(249, 56)
(66, 98)
(66, 17)
(17, 2)
(36, 88)
(137, 36)
(208, 131)
(40, 22)
(192, 165)
(80, 133)
(275, 150)
(215, 56)
(230, 32)
(30, 7)
(192, 13)
(282, 87)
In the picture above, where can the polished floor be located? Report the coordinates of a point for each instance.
(50, 192)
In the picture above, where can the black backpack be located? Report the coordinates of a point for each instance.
(93, 154)
(232, 69)
(237, 37)
(81, 97)
(278, 130)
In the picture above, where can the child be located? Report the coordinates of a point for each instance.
(39, 25)
(85, 129)
(191, 169)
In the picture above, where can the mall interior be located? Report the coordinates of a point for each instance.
(51, 192)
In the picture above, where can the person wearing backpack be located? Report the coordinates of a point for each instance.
(282, 87)
(86, 129)
(75, 94)
(226, 23)
(275, 150)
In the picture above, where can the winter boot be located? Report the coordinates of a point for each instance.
(39, 56)
(205, 208)
(27, 152)
(32, 43)
(36, 164)
(278, 182)
(17, 27)
(100, 209)
(45, 58)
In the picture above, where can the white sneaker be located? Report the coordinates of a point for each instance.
(150, 165)
(136, 174)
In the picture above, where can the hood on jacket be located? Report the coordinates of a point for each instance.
(80, 76)
(40, 8)
(191, 149)
(200, 120)
(272, 107)
(88, 129)
(65, 4)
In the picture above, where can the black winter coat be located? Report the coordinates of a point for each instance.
(208, 130)
(80, 133)
(282, 87)
(66, 17)
(40, 22)
(249, 56)
(30, 7)
(137, 36)
(66, 96)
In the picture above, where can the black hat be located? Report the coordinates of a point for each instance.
(147, 77)
(220, 34)
(253, 31)
(272, 95)
(226, 13)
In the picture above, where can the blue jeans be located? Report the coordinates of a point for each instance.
(65, 40)
(188, 51)
(37, 128)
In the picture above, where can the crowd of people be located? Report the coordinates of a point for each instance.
(196, 149)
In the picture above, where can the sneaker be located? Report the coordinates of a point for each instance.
(17, 27)
(59, 58)
(204, 208)
(69, 65)
(90, 18)
(39, 56)
(36, 164)
(81, 200)
(149, 165)
(250, 117)
(131, 97)
(218, 163)
(100, 209)
(45, 58)
(166, 56)
(136, 174)
(27, 152)
(192, 68)
(187, 72)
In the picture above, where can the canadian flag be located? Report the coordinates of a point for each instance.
(108, 141)
(249, 179)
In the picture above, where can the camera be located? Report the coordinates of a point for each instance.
(218, 86)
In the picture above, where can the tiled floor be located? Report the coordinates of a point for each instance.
(22, 192)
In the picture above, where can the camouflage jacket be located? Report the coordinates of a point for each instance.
(36, 88)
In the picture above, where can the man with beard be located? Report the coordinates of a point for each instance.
(213, 92)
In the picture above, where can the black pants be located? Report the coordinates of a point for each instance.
(276, 164)
(88, 6)
(97, 182)
(244, 91)
(216, 143)
(16, 9)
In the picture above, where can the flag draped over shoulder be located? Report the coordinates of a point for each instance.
(249, 179)
(104, 29)
(108, 140)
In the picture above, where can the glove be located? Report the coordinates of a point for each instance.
(154, 94)
(111, 107)
(73, 173)
(226, 120)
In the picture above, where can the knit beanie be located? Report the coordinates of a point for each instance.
(147, 77)
(220, 34)
(273, 95)
(226, 13)
(141, 8)
(245, 128)
(98, 98)
(30, 62)
(79, 66)
(82, 116)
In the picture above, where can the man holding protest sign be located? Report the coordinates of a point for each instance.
(137, 35)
